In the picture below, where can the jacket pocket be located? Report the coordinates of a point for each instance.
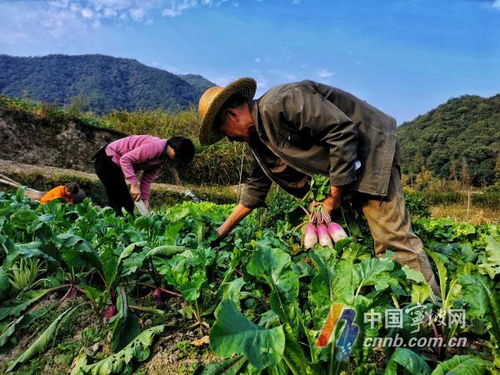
(301, 139)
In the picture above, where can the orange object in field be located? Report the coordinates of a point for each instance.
(55, 193)
(331, 321)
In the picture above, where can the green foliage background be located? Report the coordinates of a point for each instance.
(218, 164)
(100, 83)
(457, 140)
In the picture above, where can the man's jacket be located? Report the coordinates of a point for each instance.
(308, 128)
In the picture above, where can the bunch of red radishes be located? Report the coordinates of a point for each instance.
(321, 229)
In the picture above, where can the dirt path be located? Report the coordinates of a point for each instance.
(45, 177)
(8, 167)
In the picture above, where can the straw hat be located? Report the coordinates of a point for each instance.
(212, 101)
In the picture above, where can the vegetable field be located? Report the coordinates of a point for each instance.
(85, 292)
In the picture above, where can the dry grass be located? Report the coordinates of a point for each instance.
(155, 122)
(459, 212)
(45, 178)
(218, 164)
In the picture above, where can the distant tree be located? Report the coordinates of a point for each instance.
(107, 82)
(465, 128)
(77, 105)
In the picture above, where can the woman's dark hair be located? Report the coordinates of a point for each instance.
(72, 187)
(183, 147)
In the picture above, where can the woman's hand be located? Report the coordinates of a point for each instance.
(135, 191)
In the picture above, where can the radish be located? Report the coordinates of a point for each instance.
(110, 312)
(336, 232)
(324, 237)
(158, 295)
(310, 236)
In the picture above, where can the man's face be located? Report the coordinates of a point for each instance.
(238, 125)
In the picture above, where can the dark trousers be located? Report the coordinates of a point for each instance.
(113, 180)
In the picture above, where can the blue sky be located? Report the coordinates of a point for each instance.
(403, 56)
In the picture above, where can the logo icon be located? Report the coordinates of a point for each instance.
(349, 334)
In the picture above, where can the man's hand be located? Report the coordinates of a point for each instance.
(216, 242)
(332, 202)
(135, 191)
(146, 204)
(220, 236)
(236, 216)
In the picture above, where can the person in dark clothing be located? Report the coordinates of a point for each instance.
(301, 129)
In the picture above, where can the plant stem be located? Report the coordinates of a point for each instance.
(162, 289)
(310, 344)
(345, 221)
(290, 365)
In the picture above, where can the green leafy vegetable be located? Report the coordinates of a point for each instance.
(42, 342)
(408, 360)
(233, 333)
(125, 325)
(462, 365)
(119, 363)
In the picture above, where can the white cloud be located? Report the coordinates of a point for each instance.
(137, 14)
(224, 80)
(325, 73)
(177, 7)
(283, 74)
(59, 18)
(257, 60)
(56, 17)
(261, 83)
(109, 12)
(14, 37)
(65, 19)
(496, 4)
(87, 13)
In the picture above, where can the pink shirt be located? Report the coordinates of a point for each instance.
(139, 152)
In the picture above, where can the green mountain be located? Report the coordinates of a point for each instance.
(457, 140)
(100, 83)
(197, 81)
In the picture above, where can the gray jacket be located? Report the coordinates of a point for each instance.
(308, 128)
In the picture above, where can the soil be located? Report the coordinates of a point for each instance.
(43, 178)
(62, 143)
(172, 352)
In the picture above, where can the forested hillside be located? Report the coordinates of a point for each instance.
(98, 83)
(457, 140)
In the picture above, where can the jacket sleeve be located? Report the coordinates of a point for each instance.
(256, 188)
(139, 155)
(147, 178)
(307, 112)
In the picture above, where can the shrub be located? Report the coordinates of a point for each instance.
(417, 204)
(280, 206)
(217, 164)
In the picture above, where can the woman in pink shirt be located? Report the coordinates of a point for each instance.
(117, 165)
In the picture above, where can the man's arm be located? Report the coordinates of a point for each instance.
(238, 214)
(253, 196)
